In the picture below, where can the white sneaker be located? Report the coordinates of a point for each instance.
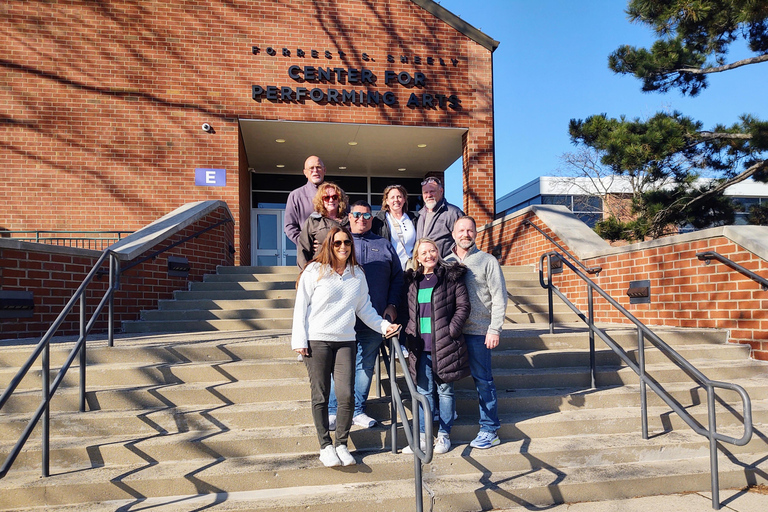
(443, 443)
(331, 422)
(422, 443)
(345, 457)
(363, 420)
(329, 458)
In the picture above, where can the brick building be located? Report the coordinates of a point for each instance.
(104, 104)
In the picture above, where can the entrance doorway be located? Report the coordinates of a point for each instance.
(271, 247)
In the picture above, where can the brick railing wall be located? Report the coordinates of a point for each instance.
(684, 291)
(54, 273)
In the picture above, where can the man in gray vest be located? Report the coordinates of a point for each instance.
(482, 330)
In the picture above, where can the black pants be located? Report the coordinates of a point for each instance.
(335, 358)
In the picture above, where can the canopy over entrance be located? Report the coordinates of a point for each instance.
(350, 149)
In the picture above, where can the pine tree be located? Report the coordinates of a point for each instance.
(673, 150)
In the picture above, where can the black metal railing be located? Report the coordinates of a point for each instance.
(95, 240)
(643, 333)
(707, 256)
(589, 270)
(43, 348)
(411, 428)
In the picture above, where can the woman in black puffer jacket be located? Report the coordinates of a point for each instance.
(438, 306)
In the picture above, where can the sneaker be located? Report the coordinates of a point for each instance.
(328, 457)
(363, 420)
(422, 442)
(443, 443)
(331, 422)
(345, 457)
(485, 440)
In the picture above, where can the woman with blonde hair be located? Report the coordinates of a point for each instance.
(437, 305)
(395, 223)
(331, 294)
(331, 205)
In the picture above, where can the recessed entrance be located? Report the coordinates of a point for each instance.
(362, 159)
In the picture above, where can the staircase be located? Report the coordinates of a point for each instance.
(221, 420)
(248, 298)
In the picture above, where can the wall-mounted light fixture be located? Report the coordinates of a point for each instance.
(178, 266)
(555, 265)
(639, 292)
(207, 128)
(16, 304)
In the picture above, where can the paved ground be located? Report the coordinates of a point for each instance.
(752, 500)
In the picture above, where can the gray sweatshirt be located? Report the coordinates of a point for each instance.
(487, 291)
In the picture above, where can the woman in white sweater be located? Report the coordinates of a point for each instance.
(332, 292)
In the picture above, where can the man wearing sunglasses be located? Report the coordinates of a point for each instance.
(438, 216)
(384, 275)
(299, 204)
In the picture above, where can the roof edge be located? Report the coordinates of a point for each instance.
(459, 24)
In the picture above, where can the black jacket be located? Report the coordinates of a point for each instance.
(380, 225)
(450, 309)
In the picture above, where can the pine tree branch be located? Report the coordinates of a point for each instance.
(722, 135)
(724, 185)
(718, 69)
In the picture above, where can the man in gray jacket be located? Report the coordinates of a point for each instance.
(299, 204)
(482, 330)
(437, 217)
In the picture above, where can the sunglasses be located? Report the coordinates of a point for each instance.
(436, 181)
(337, 243)
(357, 215)
(331, 198)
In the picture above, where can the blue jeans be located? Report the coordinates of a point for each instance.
(480, 366)
(368, 343)
(426, 385)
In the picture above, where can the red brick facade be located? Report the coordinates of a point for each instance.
(684, 291)
(102, 102)
(55, 273)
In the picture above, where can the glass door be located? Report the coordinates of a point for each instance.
(271, 247)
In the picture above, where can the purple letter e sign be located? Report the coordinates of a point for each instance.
(211, 177)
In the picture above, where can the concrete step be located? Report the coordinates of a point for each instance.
(246, 270)
(210, 304)
(167, 315)
(244, 278)
(206, 325)
(287, 293)
(241, 286)
(574, 336)
(556, 464)
(195, 435)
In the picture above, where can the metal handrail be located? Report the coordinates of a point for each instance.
(707, 256)
(41, 237)
(644, 332)
(411, 429)
(43, 347)
(588, 270)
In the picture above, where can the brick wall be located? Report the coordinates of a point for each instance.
(54, 273)
(684, 291)
(101, 103)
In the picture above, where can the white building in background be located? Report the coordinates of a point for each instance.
(583, 196)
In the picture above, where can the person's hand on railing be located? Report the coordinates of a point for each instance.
(392, 330)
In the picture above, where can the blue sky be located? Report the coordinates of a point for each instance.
(551, 66)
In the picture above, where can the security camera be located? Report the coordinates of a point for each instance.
(207, 127)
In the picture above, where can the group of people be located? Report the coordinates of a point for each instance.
(362, 273)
